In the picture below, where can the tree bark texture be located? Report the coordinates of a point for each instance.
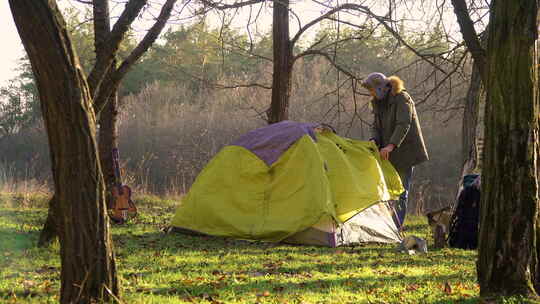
(88, 271)
(49, 232)
(472, 131)
(507, 257)
(107, 140)
(283, 60)
(108, 116)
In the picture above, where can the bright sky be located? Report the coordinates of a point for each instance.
(12, 48)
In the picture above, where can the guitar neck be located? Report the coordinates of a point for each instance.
(116, 166)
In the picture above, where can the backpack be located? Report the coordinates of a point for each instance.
(463, 232)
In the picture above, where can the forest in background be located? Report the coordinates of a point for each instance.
(198, 89)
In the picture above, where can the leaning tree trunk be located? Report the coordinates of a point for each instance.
(88, 271)
(507, 255)
(108, 116)
(107, 137)
(107, 141)
(281, 78)
(472, 131)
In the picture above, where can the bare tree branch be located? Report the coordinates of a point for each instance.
(89, 2)
(470, 36)
(329, 58)
(365, 10)
(321, 40)
(149, 38)
(247, 85)
(223, 86)
(396, 35)
(297, 19)
(314, 22)
(447, 76)
(236, 4)
(139, 50)
(107, 53)
(335, 44)
(346, 23)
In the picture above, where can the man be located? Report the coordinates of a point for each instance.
(396, 131)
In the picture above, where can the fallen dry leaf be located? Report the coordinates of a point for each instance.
(412, 287)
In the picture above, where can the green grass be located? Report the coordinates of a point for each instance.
(155, 267)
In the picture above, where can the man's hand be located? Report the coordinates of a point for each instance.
(385, 152)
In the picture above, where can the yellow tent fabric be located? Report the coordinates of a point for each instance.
(358, 177)
(238, 195)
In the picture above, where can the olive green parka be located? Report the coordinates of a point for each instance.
(396, 122)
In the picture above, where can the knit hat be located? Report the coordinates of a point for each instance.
(379, 83)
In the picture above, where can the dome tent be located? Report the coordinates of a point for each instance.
(296, 183)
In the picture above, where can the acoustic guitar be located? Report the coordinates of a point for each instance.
(123, 207)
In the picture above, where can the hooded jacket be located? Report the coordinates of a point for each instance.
(396, 122)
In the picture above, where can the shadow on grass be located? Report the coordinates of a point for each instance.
(13, 296)
(157, 244)
(377, 288)
(14, 240)
(162, 240)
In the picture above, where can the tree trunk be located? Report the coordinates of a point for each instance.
(108, 131)
(49, 232)
(108, 139)
(507, 255)
(281, 78)
(88, 268)
(107, 117)
(471, 134)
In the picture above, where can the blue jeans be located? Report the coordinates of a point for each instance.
(400, 206)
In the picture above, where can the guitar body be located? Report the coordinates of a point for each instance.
(122, 205)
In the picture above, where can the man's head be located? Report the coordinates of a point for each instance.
(377, 84)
